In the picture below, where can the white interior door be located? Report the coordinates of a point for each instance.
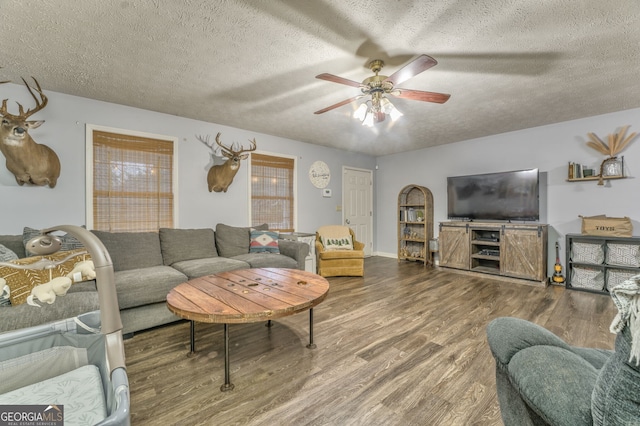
(358, 205)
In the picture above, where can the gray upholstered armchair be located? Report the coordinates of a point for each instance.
(541, 380)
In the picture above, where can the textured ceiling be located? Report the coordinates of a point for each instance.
(508, 65)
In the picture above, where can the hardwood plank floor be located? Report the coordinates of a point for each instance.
(404, 345)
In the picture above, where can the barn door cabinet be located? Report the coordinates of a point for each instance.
(506, 250)
(453, 246)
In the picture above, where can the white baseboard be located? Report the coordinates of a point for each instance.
(383, 254)
(395, 256)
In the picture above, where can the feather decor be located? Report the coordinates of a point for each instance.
(615, 142)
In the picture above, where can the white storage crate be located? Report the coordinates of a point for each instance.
(623, 254)
(587, 253)
(588, 278)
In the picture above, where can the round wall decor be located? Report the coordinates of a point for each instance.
(319, 174)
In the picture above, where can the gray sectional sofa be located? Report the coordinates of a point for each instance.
(147, 265)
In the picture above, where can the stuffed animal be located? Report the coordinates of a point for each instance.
(47, 292)
(86, 269)
(5, 291)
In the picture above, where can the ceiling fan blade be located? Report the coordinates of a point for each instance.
(336, 79)
(339, 104)
(421, 63)
(419, 95)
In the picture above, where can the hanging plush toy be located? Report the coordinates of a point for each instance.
(48, 292)
(82, 271)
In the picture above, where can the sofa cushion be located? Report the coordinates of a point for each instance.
(187, 244)
(267, 260)
(213, 265)
(69, 242)
(232, 240)
(13, 243)
(264, 241)
(616, 397)
(341, 254)
(555, 382)
(6, 254)
(131, 250)
(137, 287)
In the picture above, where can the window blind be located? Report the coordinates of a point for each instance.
(272, 198)
(132, 183)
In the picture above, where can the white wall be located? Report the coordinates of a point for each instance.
(548, 148)
(64, 132)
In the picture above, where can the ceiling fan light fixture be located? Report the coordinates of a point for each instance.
(368, 120)
(377, 86)
(395, 113)
(361, 112)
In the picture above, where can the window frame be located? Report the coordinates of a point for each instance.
(295, 184)
(89, 129)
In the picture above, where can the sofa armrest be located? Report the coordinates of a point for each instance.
(296, 250)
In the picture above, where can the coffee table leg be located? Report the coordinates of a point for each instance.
(192, 340)
(227, 381)
(311, 345)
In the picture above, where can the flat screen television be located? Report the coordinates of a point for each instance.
(503, 196)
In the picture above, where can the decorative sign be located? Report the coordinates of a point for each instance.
(319, 174)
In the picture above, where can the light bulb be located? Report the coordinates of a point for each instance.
(395, 114)
(368, 120)
(361, 112)
(385, 105)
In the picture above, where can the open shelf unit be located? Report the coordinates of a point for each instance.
(485, 251)
(415, 224)
(595, 178)
(598, 263)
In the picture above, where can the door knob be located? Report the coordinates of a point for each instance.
(347, 220)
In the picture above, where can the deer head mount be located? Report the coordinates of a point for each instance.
(220, 176)
(30, 162)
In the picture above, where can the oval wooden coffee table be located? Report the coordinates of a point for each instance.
(247, 295)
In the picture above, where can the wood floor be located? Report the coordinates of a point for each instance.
(403, 346)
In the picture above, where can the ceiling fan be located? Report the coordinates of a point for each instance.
(375, 109)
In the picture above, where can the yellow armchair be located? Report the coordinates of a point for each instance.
(336, 261)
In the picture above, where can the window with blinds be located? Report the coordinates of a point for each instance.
(132, 182)
(272, 192)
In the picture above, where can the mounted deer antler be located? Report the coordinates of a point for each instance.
(221, 176)
(29, 161)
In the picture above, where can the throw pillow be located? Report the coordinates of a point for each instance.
(22, 275)
(7, 255)
(69, 242)
(264, 242)
(337, 243)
